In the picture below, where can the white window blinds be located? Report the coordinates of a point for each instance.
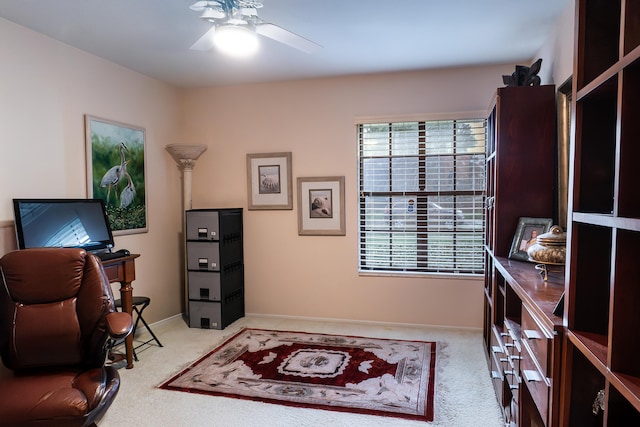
(422, 196)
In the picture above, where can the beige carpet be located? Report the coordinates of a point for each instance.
(464, 395)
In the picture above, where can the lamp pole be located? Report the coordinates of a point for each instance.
(185, 156)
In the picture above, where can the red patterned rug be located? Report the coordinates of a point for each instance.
(339, 373)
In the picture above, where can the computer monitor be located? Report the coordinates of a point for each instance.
(75, 223)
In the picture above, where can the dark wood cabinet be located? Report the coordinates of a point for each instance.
(601, 364)
(522, 336)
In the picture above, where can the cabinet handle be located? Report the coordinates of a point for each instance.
(531, 376)
(532, 334)
(495, 375)
(598, 403)
(489, 202)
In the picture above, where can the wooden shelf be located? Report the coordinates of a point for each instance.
(594, 347)
(540, 297)
(521, 144)
(602, 292)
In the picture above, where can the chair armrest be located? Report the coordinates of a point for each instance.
(119, 324)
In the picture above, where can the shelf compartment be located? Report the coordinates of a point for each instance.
(585, 383)
(629, 179)
(596, 148)
(598, 37)
(625, 336)
(620, 411)
(590, 278)
(631, 26)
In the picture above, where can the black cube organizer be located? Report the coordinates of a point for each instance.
(215, 267)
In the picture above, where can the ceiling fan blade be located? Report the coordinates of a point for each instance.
(199, 6)
(205, 42)
(287, 37)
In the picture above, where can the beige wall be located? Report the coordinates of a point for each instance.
(557, 65)
(46, 88)
(317, 276)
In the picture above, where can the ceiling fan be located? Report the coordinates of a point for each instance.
(242, 16)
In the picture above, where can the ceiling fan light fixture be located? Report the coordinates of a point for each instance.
(234, 40)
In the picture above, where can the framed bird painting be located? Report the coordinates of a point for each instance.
(116, 172)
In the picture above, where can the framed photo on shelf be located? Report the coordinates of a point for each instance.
(321, 206)
(526, 234)
(116, 172)
(269, 181)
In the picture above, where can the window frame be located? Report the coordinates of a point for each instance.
(422, 232)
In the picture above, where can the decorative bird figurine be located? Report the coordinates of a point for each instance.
(128, 194)
(113, 175)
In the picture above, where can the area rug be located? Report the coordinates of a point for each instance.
(340, 373)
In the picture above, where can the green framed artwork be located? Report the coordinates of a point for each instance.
(116, 172)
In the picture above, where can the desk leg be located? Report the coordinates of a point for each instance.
(126, 295)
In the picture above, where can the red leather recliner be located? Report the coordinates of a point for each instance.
(56, 316)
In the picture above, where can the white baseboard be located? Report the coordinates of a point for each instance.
(362, 322)
(325, 319)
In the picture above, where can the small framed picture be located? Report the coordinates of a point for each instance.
(269, 181)
(526, 233)
(321, 206)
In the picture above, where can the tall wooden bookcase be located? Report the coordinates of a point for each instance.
(522, 336)
(601, 369)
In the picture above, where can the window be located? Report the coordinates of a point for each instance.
(422, 196)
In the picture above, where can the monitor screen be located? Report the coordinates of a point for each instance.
(59, 223)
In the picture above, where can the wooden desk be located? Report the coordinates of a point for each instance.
(123, 270)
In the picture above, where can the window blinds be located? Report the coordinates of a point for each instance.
(421, 205)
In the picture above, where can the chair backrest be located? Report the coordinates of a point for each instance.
(53, 303)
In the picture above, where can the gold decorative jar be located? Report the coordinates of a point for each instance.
(550, 247)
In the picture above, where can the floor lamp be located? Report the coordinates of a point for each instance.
(185, 156)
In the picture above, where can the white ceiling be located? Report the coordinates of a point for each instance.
(357, 36)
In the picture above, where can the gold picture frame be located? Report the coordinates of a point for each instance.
(269, 181)
(321, 206)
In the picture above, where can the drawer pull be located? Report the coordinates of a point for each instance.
(496, 349)
(203, 262)
(598, 403)
(531, 334)
(531, 375)
(495, 375)
(202, 233)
